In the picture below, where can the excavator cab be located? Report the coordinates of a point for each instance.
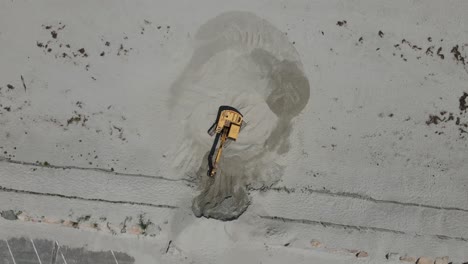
(227, 126)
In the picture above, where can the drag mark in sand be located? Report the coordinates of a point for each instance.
(358, 228)
(72, 167)
(354, 196)
(4, 189)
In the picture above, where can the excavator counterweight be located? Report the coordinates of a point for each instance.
(227, 126)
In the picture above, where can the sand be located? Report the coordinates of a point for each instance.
(354, 147)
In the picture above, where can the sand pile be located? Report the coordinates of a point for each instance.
(243, 61)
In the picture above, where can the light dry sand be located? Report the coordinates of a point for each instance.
(355, 144)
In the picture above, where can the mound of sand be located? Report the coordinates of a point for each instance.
(243, 61)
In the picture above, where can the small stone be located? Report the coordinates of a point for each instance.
(51, 221)
(135, 230)
(392, 256)
(442, 260)
(69, 223)
(425, 260)
(24, 217)
(315, 243)
(408, 259)
(362, 254)
(9, 215)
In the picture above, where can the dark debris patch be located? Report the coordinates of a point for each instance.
(412, 46)
(440, 54)
(24, 84)
(122, 50)
(434, 119)
(82, 51)
(342, 23)
(457, 55)
(77, 119)
(10, 215)
(44, 164)
(463, 102)
(429, 51)
(381, 34)
(443, 118)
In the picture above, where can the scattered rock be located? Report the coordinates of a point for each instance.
(135, 230)
(457, 55)
(22, 216)
(315, 243)
(392, 256)
(9, 215)
(463, 102)
(429, 51)
(341, 23)
(69, 223)
(408, 259)
(439, 53)
(362, 254)
(143, 224)
(433, 119)
(442, 260)
(381, 34)
(425, 260)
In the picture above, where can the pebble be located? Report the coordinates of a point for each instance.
(408, 259)
(362, 254)
(442, 260)
(425, 260)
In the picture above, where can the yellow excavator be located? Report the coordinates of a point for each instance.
(227, 127)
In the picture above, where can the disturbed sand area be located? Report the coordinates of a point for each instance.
(243, 61)
(354, 149)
